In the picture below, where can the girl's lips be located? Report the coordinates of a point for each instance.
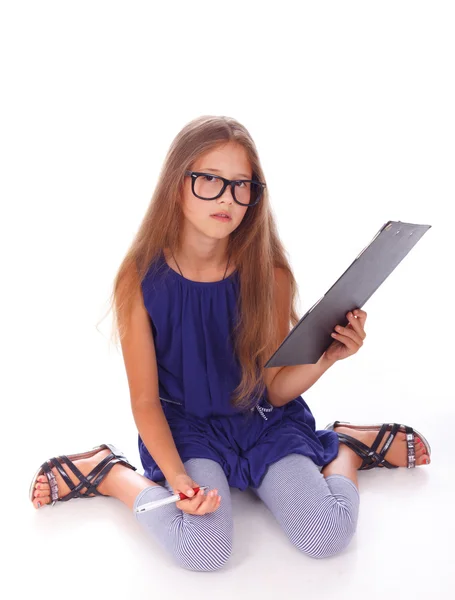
(225, 219)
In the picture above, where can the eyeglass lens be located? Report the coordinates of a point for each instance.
(209, 187)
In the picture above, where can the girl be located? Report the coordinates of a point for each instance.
(201, 302)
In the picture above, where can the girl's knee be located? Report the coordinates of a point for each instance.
(204, 555)
(324, 540)
(321, 549)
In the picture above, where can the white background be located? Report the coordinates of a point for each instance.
(351, 105)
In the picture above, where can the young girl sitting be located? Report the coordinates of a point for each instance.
(202, 299)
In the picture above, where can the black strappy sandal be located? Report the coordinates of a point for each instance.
(90, 481)
(370, 457)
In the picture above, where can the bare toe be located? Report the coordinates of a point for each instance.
(41, 493)
(41, 501)
(423, 460)
(419, 451)
(44, 487)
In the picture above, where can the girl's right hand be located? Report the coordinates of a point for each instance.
(198, 504)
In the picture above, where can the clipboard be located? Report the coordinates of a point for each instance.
(310, 337)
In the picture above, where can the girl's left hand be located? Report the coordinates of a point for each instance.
(348, 339)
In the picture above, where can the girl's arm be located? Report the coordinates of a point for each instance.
(157, 437)
(138, 349)
(292, 381)
(286, 383)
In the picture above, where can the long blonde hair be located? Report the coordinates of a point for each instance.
(254, 246)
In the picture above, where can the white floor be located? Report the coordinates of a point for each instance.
(404, 542)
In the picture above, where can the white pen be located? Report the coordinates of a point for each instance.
(170, 500)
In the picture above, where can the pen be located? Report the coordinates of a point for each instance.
(170, 500)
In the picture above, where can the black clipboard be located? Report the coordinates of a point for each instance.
(311, 336)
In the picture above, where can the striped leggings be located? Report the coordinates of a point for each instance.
(318, 515)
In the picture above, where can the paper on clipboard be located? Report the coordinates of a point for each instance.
(310, 337)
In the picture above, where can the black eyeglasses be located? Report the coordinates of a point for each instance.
(206, 186)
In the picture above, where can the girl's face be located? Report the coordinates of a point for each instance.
(230, 161)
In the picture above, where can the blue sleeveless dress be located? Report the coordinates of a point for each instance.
(197, 369)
